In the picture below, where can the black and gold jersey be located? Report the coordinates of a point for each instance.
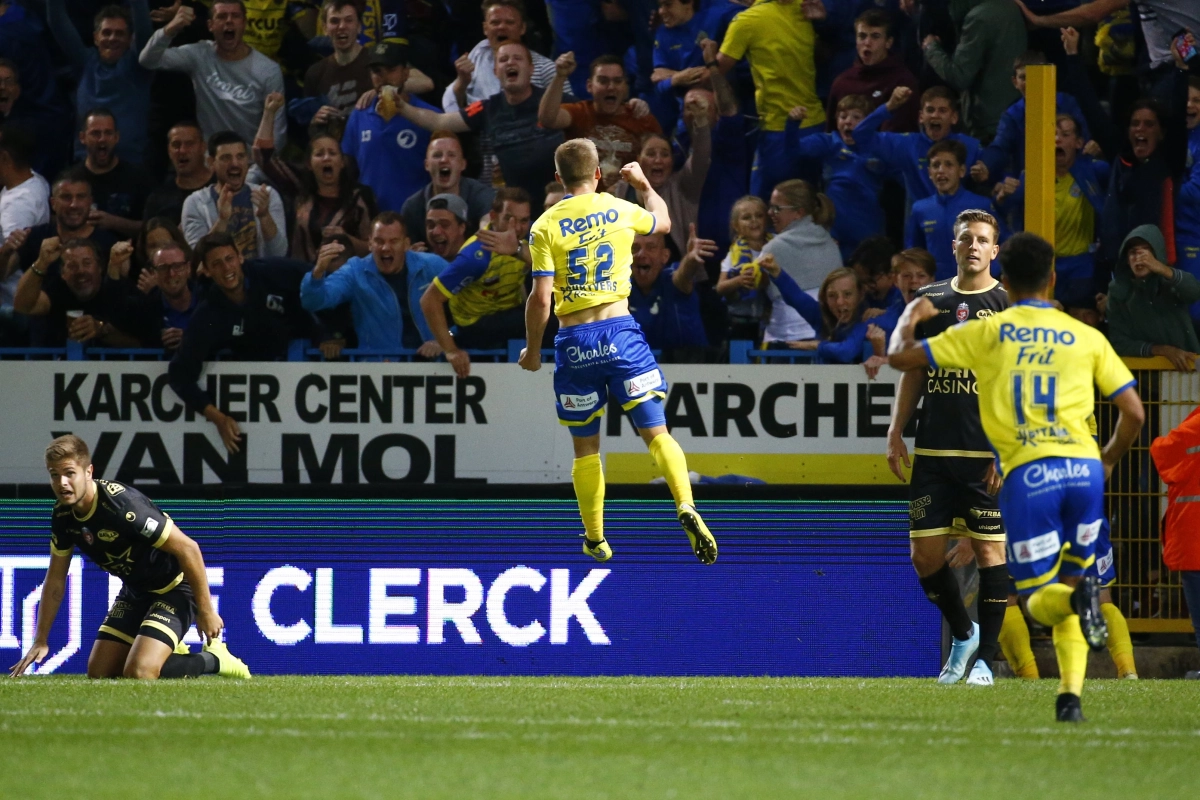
(948, 423)
(122, 533)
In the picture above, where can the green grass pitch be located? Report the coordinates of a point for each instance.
(427, 737)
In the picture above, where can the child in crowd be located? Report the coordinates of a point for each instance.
(841, 305)
(741, 280)
(853, 181)
(931, 221)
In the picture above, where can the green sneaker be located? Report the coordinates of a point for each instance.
(230, 666)
(703, 543)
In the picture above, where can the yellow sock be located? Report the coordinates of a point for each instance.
(670, 459)
(587, 474)
(1072, 651)
(1120, 646)
(1051, 604)
(1014, 642)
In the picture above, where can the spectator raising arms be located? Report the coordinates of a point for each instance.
(802, 248)
(613, 122)
(663, 299)
(231, 79)
(741, 282)
(252, 215)
(445, 163)
(383, 289)
(109, 74)
(1148, 302)
(681, 190)
(326, 199)
(523, 148)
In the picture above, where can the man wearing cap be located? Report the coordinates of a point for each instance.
(445, 163)
(390, 150)
(446, 225)
(484, 286)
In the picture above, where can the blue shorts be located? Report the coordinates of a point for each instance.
(1053, 509)
(1105, 567)
(598, 359)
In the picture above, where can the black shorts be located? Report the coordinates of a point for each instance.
(948, 497)
(165, 617)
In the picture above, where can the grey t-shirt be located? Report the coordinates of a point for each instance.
(229, 94)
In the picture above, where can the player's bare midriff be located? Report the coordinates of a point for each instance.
(617, 308)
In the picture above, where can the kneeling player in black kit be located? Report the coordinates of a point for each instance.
(954, 478)
(165, 586)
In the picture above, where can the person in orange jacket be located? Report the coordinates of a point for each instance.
(1177, 457)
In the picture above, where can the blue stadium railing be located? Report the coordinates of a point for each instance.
(740, 352)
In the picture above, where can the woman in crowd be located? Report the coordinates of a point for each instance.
(840, 300)
(327, 199)
(680, 189)
(741, 281)
(804, 250)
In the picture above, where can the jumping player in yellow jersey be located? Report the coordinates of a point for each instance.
(581, 260)
(1035, 367)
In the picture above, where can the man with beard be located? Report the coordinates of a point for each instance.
(523, 148)
(109, 74)
(252, 309)
(119, 188)
(71, 203)
(446, 225)
(484, 286)
(231, 79)
(387, 146)
(615, 123)
(79, 303)
(185, 148)
(445, 163)
(252, 215)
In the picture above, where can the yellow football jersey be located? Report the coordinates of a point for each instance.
(1035, 368)
(584, 242)
(478, 283)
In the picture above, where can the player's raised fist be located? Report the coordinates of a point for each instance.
(632, 174)
(565, 64)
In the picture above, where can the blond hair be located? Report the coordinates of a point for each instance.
(68, 448)
(744, 200)
(576, 161)
(800, 195)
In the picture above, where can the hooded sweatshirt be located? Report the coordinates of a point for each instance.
(807, 253)
(1143, 312)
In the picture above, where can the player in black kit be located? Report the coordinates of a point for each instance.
(954, 477)
(165, 587)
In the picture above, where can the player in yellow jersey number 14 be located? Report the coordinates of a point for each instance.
(1035, 367)
(581, 264)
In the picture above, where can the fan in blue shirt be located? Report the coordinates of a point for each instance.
(852, 181)
(389, 149)
(931, 221)
(907, 153)
(678, 57)
(663, 299)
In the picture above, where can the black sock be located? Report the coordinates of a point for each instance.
(177, 666)
(193, 666)
(993, 602)
(942, 590)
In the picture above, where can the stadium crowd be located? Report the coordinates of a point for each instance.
(225, 176)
